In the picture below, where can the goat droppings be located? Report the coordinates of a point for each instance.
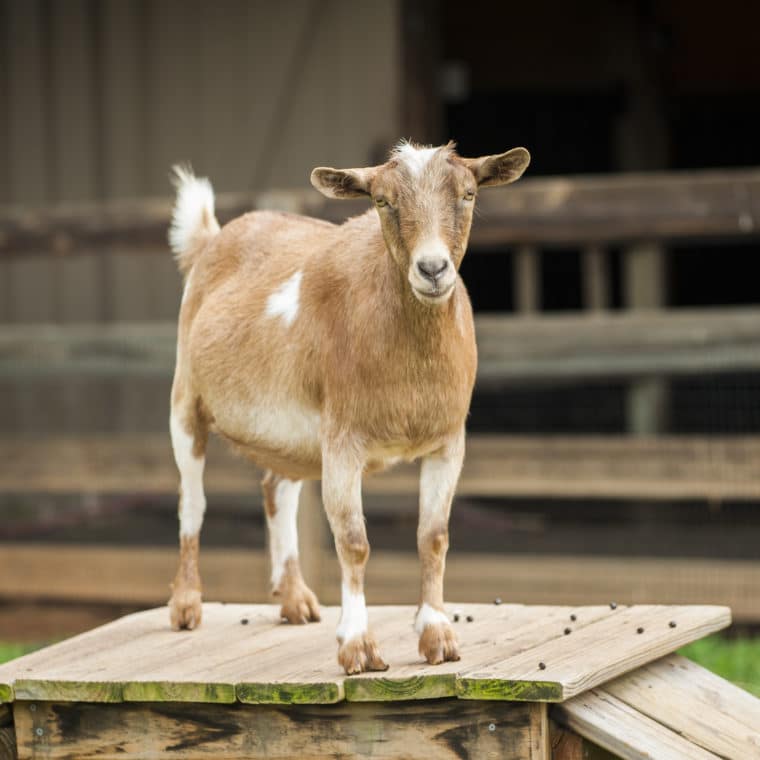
(639, 630)
(672, 623)
(469, 618)
(497, 600)
(573, 618)
(542, 665)
(613, 605)
(244, 621)
(568, 631)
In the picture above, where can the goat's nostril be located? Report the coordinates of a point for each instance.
(432, 268)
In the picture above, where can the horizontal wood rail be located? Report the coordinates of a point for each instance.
(670, 468)
(511, 350)
(565, 211)
(140, 576)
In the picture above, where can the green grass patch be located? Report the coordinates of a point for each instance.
(737, 660)
(11, 650)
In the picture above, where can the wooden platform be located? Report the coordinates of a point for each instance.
(244, 685)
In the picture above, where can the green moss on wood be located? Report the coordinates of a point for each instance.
(6, 693)
(326, 693)
(167, 691)
(397, 689)
(68, 691)
(512, 691)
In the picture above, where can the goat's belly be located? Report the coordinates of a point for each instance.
(283, 438)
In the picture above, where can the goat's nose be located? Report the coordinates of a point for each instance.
(432, 269)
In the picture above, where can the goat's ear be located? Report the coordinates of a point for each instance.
(499, 170)
(342, 183)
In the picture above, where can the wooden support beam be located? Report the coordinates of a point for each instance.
(527, 279)
(442, 728)
(595, 278)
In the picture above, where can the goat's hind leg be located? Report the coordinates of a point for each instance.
(299, 604)
(189, 433)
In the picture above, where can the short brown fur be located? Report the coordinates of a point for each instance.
(377, 363)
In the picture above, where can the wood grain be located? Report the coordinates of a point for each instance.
(138, 658)
(441, 729)
(591, 654)
(695, 703)
(621, 729)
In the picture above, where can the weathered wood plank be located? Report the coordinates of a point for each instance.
(575, 210)
(138, 658)
(140, 576)
(695, 703)
(8, 743)
(621, 729)
(674, 468)
(511, 351)
(579, 658)
(509, 625)
(441, 729)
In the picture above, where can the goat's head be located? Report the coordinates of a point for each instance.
(425, 199)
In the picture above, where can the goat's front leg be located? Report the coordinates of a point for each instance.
(438, 479)
(341, 493)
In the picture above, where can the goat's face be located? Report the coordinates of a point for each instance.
(425, 199)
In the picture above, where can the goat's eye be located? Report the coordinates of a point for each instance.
(469, 195)
(380, 202)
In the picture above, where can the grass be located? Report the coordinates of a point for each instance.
(737, 660)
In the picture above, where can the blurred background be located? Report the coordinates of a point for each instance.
(615, 430)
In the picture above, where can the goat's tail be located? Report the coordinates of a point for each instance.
(193, 221)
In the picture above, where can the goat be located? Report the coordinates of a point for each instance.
(329, 351)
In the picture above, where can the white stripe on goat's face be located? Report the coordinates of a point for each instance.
(425, 197)
(284, 302)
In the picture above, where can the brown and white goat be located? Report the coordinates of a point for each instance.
(328, 351)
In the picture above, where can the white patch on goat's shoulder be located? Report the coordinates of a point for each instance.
(284, 301)
(283, 529)
(353, 615)
(426, 616)
(415, 159)
(192, 499)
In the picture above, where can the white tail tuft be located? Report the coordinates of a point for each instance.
(193, 220)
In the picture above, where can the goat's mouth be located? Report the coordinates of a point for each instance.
(435, 294)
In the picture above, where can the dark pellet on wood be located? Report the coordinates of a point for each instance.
(568, 631)
(542, 665)
(244, 621)
(497, 600)
(613, 605)
(639, 630)
(573, 618)
(469, 618)
(672, 623)
(456, 618)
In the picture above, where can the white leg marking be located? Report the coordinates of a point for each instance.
(284, 301)
(438, 479)
(193, 502)
(353, 616)
(283, 528)
(426, 616)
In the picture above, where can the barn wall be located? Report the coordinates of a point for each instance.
(98, 98)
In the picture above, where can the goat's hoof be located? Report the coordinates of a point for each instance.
(300, 606)
(360, 654)
(185, 609)
(438, 643)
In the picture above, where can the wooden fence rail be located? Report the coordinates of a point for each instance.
(547, 211)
